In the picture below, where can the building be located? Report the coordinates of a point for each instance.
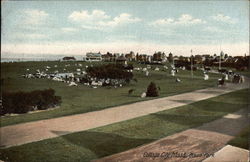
(108, 57)
(142, 58)
(199, 59)
(90, 56)
(159, 57)
(122, 60)
(116, 55)
(130, 56)
(69, 59)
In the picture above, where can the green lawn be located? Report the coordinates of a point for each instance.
(245, 73)
(83, 99)
(242, 139)
(118, 137)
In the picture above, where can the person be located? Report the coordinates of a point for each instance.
(206, 77)
(178, 80)
(221, 82)
(172, 72)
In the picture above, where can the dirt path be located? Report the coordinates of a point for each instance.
(43, 129)
(191, 145)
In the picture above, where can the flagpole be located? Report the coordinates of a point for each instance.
(191, 63)
(220, 62)
(220, 58)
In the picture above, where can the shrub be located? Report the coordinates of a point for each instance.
(110, 71)
(152, 90)
(129, 67)
(130, 91)
(188, 67)
(135, 80)
(22, 102)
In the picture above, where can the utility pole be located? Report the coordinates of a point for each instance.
(220, 62)
(191, 63)
(220, 58)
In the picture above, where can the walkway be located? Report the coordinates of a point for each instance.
(229, 153)
(39, 130)
(191, 145)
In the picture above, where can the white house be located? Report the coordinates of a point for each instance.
(93, 56)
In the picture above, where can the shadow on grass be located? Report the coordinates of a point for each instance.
(103, 144)
(184, 101)
(210, 92)
(222, 107)
(205, 111)
(228, 125)
(242, 139)
(188, 120)
(60, 133)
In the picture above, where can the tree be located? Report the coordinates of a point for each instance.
(111, 71)
(226, 56)
(152, 90)
(170, 57)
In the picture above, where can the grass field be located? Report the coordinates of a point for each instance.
(83, 99)
(242, 139)
(118, 137)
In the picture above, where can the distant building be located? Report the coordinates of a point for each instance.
(206, 57)
(116, 55)
(199, 59)
(108, 57)
(122, 60)
(130, 56)
(69, 59)
(90, 56)
(142, 58)
(159, 57)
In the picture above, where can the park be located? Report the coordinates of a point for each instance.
(132, 127)
(132, 81)
(86, 98)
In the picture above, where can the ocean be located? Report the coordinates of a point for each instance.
(25, 57)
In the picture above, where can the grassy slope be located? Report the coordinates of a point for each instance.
(118, 137)
(242, 139)
(83, 99)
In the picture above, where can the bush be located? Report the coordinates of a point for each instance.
(188, 67)
(23, 102)
(129, 67)
(152, 90)
(130, 91)
(110, 71)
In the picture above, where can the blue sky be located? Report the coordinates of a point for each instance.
(120, 26)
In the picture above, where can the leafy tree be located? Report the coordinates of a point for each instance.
(152, 90)
(110, 71)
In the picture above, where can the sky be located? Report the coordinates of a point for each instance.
(77, 27)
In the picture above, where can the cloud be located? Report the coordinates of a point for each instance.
(29, 36)
(184, 19)
(34, 17)
(213, 29)
(99, 20)
(123, 18)
(69, 30)
(81, 16)
(223, 18)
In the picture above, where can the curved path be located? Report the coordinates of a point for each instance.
(39, 130)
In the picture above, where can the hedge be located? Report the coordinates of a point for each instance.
(23, 102)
